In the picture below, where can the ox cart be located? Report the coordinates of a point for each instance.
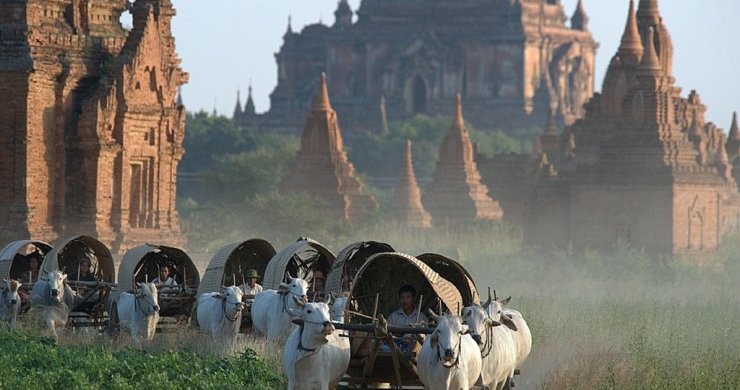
(29, 261)
(303, 259)
(176, 300)
(228, 267)
(21, 260)
(383, 354)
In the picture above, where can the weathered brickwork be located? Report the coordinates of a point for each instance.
(92, 129)
(513, 61)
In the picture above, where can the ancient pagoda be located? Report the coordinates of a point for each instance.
(407, 208)
(643, 174)
(322, 168)
(456, 193)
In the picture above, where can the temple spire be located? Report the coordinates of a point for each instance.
(734, 130)
(458, 122)
(343, 14)
(249, 107)
(650, 62)
(322, 99)
(580, 19)
(383, 116)
(648, 13)
(407, 206)
(238, 107)
(631, 46)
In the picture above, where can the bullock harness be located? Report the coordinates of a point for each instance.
(300, 337)
(286, 309)
(223, 308)
(457, 360)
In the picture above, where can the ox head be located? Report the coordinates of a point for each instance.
(56, 281)
(494, 307)
(10, 292)
(447, 338)
(337, 307)
(297, 289)
(317, 321)
(147, 295)
(232, 297)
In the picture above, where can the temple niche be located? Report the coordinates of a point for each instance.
(513, 62)
(95, 128)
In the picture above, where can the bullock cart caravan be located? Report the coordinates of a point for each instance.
(16, 260)
(91, 273)
(176, 288)
(384, 353)
(305, 259)
(349, 260)
(230, 265)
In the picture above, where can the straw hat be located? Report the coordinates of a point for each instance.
(318, 275)
(251, 273)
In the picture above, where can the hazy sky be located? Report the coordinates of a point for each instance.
(226, 43)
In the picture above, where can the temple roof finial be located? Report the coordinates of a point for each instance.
(457, 120)
(580, 19)
(650, 61)
(322, 99)
(631, 44)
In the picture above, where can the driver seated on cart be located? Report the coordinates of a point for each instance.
(85, 275)
(164, 278)
(407, 315)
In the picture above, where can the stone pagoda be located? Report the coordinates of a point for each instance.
(322, 168)
(407, 208)
(643, 175)
(456, 192)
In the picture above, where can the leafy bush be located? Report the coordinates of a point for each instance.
(33, 362)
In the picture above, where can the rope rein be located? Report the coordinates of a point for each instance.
(457, 360)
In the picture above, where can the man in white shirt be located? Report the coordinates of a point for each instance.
(250, 286)
(164, 277)
(408, 313)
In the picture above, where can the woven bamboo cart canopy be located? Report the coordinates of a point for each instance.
(67, 255)
(17, 250)
(385, 273)
(455, 273)
(233, 260)
(300, 259)
(349, 260)
(142, 264)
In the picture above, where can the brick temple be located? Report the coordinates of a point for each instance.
(322, 169)
(515, 62)
(91, 126)
(407, 208)
(642, 167)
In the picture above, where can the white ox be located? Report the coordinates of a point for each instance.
(139, 312)
(313, 359)
(522, 336)
(339, 342)
(220, 315)
(273, 311)
(11, 302)
(54, 298)
(496, 342)
(449, 358)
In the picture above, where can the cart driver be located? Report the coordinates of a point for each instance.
(319, 281)
(407, 315)
(250, 285)
(84, 272)
(164, 277)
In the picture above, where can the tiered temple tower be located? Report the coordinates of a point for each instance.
(91, 128)
(407, 208)
(456, 192)
(643, 175)
(322, 168)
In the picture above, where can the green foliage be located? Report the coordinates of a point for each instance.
(32, 362)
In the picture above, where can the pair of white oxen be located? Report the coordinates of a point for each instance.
(484, 346)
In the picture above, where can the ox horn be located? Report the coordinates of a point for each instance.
(432, 315)
(488, 302)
